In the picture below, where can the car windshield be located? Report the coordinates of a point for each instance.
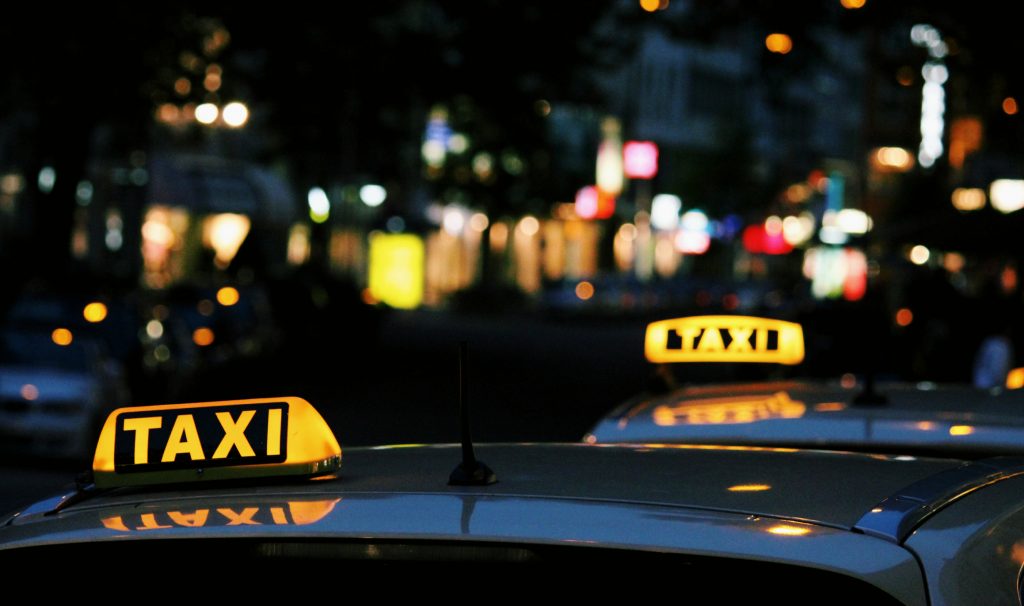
(326, 203)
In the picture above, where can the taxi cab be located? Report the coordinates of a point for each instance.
(234, 489)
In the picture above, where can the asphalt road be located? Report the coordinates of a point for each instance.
(530, 379)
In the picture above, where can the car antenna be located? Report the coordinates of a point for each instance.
(869, 396)
(470, 472)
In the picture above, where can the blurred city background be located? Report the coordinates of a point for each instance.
(203, 201)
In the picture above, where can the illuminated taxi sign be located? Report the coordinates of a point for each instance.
(214, 441)
(724, 339)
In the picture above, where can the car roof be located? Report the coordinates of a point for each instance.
(776, 482)
(943, 420)
(791, 507)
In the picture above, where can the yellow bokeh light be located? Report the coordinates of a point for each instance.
(478, 222)
(202, 337)
(62, 337)
(789, 530)
(778, 43)
(961, 430)
(584, 290)
(893, 159)
(529, 225)
(852, 4)
(968, 198)
(228, 296)
(95, 312)
(749, 488)
(1015, 378)
(225, 233)
(650, 5)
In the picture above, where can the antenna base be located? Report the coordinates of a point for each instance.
(870, 397)
(481, 475)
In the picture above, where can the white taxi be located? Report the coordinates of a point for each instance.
(257, 488)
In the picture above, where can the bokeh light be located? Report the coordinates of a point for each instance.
(584, 290)
(29, 392)
(62, 336)
(904, 317)
(202, 337)
(227, 296)
(235, 114)
(778, 43)
(207, 113)
(95, 312)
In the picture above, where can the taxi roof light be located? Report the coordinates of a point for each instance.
(724, 339)
(204, 441)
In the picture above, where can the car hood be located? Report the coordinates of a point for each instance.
(958, 420)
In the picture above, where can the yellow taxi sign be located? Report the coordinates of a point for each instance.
(724, 339)
(214, 441)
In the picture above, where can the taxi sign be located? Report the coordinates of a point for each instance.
(214, 441)
(724, 339)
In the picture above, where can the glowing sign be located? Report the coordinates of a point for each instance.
(724, 339)
(288, 513)
(214, 441)
(729, 411)
(640, 159)
(396, 269)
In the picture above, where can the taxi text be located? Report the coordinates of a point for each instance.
(210, 435)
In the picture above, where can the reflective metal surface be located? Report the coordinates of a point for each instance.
(897, 516)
